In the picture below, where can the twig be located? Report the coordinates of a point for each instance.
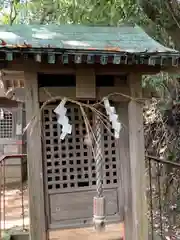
(87, 129)
(12, 9)
(157, 159)
(123, 95)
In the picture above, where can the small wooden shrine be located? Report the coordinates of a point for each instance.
(84, 64)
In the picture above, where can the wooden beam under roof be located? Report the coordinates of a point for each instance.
(14, 78)
(6, 102)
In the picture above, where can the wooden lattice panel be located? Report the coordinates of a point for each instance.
(69, 164)
(6, 125)
(110, 166)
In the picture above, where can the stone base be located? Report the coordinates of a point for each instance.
(20, 236)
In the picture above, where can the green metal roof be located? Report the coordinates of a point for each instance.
(125, 38)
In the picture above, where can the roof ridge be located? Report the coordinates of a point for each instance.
(123, 24)
(126, 37)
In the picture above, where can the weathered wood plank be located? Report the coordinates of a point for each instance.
(12, 75)
(125, 192)
(19, 65)
(112, 232)
(48, 92)
(137, 162)
(35, 173)
(81, 207)
(85, 83)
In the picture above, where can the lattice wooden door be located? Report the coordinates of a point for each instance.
(69, 171)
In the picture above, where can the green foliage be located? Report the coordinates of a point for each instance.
(110, 12)
(158, 83)
(82, 11)
(6, 235)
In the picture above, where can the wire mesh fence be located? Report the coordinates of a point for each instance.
(13, 195)
(163, 196)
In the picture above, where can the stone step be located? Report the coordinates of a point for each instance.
(20, 236)
(25, 236)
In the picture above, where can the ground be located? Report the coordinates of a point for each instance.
(113, 232)
(14, 209)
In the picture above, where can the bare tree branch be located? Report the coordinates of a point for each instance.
(13, 13)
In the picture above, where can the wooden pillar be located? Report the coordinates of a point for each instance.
(125, 171)
(34, 161)
(137, 162)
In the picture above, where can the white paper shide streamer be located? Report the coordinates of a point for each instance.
(63, 120)
(113, 118)
(1, 114)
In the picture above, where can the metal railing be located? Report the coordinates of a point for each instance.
(164, 198)
(6, 188)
